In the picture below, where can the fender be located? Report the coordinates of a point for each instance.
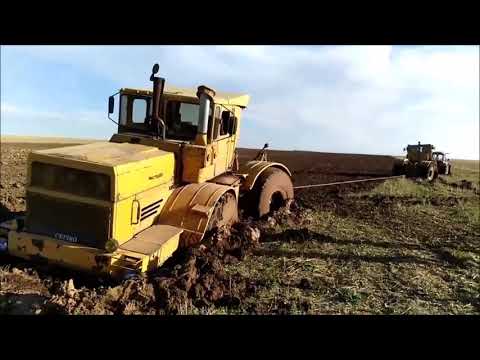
(190, 207)
(253, 169)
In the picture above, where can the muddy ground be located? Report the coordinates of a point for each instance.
(389, 247)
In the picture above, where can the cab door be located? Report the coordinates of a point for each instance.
(224, 140)
(134, 112)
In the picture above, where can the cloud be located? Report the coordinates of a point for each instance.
(364, 99)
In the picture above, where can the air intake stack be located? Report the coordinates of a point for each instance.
(205, 96)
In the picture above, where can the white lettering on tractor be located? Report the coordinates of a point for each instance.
(65, 237)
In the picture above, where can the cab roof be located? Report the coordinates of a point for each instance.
(220, 97)
(422, 145)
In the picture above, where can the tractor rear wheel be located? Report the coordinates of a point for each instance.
(272, 190)
(224, 213)
(431, 173)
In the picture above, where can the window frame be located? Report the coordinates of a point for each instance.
(219, 121)
(128, 123)
(147, 108)
(181, 101)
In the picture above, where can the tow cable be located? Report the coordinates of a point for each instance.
(348, 182)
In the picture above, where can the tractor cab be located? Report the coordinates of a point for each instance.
(199, 125)
(180, 110)
(443, 163)
(195, 116)
(439, 156)
(419, 152)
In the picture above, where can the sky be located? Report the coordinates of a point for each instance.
(353, 99)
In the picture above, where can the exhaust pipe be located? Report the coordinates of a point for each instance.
(205, 96)
(158, 86)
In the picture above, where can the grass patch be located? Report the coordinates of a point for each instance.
(362, 256)
(408, 188)
(400, 188)
(466, 170)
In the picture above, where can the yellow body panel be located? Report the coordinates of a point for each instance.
(43, 248)
(190, 207)
(140, 175)
(138, 212)
(135, 178)
(197, 163)
(104, 153)
(38, 247)
(133, 167)
(152, 246)
(222, 155)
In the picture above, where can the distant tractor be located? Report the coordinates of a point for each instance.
(419, 163)
(444, 165)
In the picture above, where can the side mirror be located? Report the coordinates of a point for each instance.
(155, 69)
(111, 105)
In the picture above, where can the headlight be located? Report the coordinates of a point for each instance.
(111, 245)
(3, 245)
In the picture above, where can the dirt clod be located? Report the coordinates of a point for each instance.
(305, 284)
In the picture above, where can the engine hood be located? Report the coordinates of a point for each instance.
(106, 154)
(133, 168)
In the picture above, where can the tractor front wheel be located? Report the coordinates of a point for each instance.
(273, 189)
(224, 213)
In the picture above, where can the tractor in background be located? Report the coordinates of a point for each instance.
(419, 163)
(444, 165)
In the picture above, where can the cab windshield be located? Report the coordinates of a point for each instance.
(181, 117)
(182, 120)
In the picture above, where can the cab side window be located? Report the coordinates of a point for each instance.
(139, 111)
(182, 120)
(133, 110)
(224, 125)
(228, 124)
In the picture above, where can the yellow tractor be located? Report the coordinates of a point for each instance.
(169, 176)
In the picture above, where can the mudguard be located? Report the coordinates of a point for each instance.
(253, 169)
(190, 208)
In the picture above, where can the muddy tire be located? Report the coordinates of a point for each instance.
(272, 190)
(431, 174)
(224, 213)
